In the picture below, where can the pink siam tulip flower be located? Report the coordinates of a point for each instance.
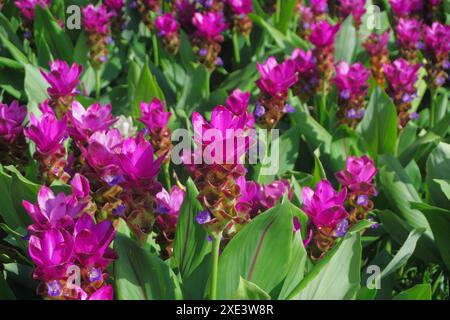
(209, 25)
(271, 193)
(85, 122)
(47, 132)
(102, 154)
(405, 8)
(276, 78)
(319, 7)
(52, 211)
(325, 206)
(356, 8)
(185, 10)
(323, 34)
(308, 77)
(237, 103)
(96, 20)
(26, 7)
(437, 39)
(137, 163)
(358, 175)
(104, 293)
(409, 34)
(11, 121)
(167, 24)
(115, 5)
(248, 201)
(153, 115)
(63, 79)
(167, 206)
(351, 80)
(52, 253)
(81, 188)
(241, 7)
(91, 242)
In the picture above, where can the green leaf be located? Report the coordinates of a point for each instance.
(287, 11)
(147, 88)
(249, 291)
(379, 125)
(439, 220)
(5, 292)
(445, 186)
(18, 55)
(418, 292)
(35, 85)
(141, 275)
(258, 252)
(196, 89)
(319, 171)
(58, 41)
(346, 41)
(7, 210)
(191, 245)
(336, 276)
(405, 252)
(438, 165)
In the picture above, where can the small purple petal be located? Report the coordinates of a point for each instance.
(95, 274)
(259, 110)
(362, 200)
(203, 52)
(341, 228)
(119, 211)
(203, 217)
(345, 94)
(414, 116)
(288, 108)
(54, 288)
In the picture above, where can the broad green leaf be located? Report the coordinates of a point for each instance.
(319, 171)
(196, 89)
(405, 252)
(418, 292)
(287, 11)
(249, 291)
(445, 186)
(7, 210)
(439, 220)
(191, 244)
(336, 276)
(5, 292)
(258, 252)
(18, 55)
(345, 41)
(438, 167)
(141, 275)
(35, 85)
(379, 125)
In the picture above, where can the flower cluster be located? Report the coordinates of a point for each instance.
(309, 15)
(238, 11)
(437, 48)
(216, 177)
(409, 34)
(12, 140)
(376, 46)
(168, 29)
(156, 119)
(63, 81)
(401, 77)
(147, 9)
(97, 23)
(356, 8)
(352, 84)
(275, 81)
(208, 36)
(116, 9)
(308, 76)
(27, 8)
(71, 252)
(331, 212)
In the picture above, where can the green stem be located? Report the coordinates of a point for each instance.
(155, 49)
(97, 84)
(237, 53)
(167, 176)
(207, 88)
(324, 102)
(214, 266)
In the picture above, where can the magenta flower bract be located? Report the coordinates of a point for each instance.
(47, 132)
(153, 114)
(96, 20)
(323, 34)
(248, 201)
(104, 293)
(351, 80)
(169, 203)
(209, 25)
(166, 24)
(137, 163)
(102, 154)
(26, 7)
(324, 206)
(270, 194)
(358, 175)
(319, 7)
(63, 79)
(185, 10)
(377, 43)
(52, 211)
(356, 8)
(402, 77)
(237, 103)
(84, 122)
(80, 187)
(409, 32)
(91, 241)
(11, 120)
(241, 6)
(115, 5)
(437, 39)
(276, 78)
(52, 253)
